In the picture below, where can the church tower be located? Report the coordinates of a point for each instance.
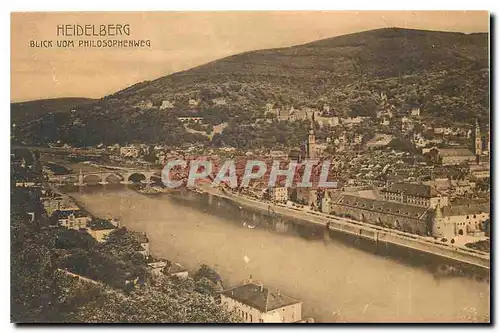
(478, 144)
(311, 141)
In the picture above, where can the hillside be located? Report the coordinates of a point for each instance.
(25, 111)
(445, 73)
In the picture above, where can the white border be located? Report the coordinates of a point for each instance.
(114, 5)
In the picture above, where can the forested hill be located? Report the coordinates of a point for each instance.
(25, 111)
(445, 73)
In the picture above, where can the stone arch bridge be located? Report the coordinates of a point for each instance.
(109, 177)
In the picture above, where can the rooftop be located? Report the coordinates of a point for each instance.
(382, 206)
(260, 298)
(455, 152)
(418, 190)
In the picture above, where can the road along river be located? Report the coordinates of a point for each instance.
(335, 281)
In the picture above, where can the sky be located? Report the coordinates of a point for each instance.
(182, 40)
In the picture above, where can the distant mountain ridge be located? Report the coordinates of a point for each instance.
(23, 111)
(444, 72)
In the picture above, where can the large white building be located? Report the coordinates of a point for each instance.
(256, 304)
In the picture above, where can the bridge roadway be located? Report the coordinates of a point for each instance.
(364, 230)
(124, 175)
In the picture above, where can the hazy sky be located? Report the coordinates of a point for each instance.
(181, 40)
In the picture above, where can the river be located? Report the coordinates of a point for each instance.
(335, 281)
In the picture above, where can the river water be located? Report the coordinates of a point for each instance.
(335, 281)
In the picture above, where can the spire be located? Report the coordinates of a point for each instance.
(311, 128)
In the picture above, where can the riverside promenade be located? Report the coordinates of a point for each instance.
(362, 230)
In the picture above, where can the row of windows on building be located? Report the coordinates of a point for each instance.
(245, 315)
(380, 209)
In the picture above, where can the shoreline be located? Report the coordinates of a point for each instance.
(367, 231)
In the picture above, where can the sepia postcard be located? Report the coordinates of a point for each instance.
(250, 167)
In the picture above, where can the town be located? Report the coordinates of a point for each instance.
(340, 177)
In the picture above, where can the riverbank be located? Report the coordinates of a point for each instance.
(367, 231)
(335, 279)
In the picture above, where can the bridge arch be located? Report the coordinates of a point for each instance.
(92, 179)
(136, 177)
(114, 178)
(70, 179)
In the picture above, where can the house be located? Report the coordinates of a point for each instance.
(196, 120)
(26, 184)
(143, 241)
(256, 304)
(144, 105)
(72, 218)
(219, 101)
(278, 194)
(129, 151)
(166, 105)
(100, 229)
(414, 111)
(175, 269)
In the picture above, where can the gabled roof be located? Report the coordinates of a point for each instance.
(418, 190)
(382, 206)
(64, 214)
(460, 210)
(260, 298)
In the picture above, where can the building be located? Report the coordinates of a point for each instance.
(480, 170)
(129, 151)
(156, 267)
(408, 218)
(143, 241)
(478, 142)
(455, 156)
(256, 304)
(414, 194)
(166, 105)
(414, 111)
(278, 194)
(196, 120)
(72, 218)
(100, 229)
(144, 105)
(219, 101)
(454, 221)
(175, 269)
(311, 141)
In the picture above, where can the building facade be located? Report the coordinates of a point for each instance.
(256, 304)
(455, 221)
(389, 214)
(414, 194)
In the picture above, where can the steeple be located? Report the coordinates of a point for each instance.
(478, 144)
(311, 140)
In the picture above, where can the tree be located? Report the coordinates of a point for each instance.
(166, 301)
